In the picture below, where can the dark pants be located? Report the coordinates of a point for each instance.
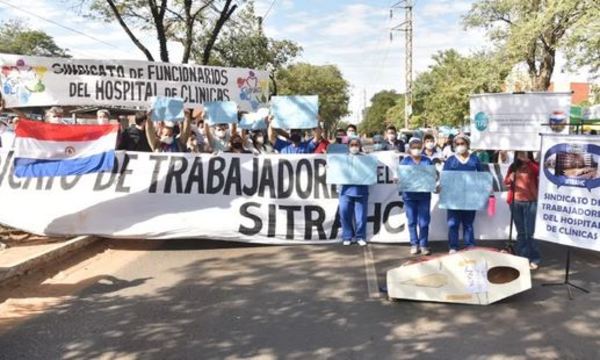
(418, 215)
(353, 214)
(524, 217)
(455, 219)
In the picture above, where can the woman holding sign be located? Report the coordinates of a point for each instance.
(522, 179)
(462, 160)
(417, 204)
(354, 202)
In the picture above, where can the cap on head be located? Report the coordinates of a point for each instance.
(169, 124)
(414, 140)
(465, 138)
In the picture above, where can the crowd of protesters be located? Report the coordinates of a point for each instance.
(452, 153)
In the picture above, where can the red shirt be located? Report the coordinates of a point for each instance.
(322, 147)
(526, 183)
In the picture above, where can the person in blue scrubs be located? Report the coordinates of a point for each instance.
(354, 200)
(462, 160)
(417, 205)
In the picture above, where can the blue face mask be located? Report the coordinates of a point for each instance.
(378, 147)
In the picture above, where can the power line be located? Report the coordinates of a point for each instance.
(269, 9)
(60, 25)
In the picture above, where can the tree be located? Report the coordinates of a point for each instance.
(441, 94)
(326, 81)
(532, 31)
(171, 20)
(243, 43)
(378, 115)
(16, 38)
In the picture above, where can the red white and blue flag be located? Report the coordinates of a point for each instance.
(42, 149)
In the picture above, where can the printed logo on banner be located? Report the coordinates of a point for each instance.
(21, 80)
(558, 121)
(573, 165)
(253, 90)
(481, 121)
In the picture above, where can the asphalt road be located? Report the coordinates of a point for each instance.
(198, 299)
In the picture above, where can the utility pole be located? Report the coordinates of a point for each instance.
(407, 27)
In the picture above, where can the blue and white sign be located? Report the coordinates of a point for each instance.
(344, 169)
(254, 120)
(465, 190)
(167, 109)
(568, 209)
(295, 112)
(417, 178)
(221, 112)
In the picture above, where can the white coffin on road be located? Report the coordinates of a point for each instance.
(478, 276)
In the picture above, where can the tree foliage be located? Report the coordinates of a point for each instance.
(243, 43)
(326, 81)
(441, 94)
(533, 30)
(17, 38)
(170, 20)
(382, 112)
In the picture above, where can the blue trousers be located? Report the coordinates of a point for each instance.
(455, 219)
(524, 218)
(353, 214)
(418, 215)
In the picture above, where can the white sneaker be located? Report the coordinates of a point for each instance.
(346, 242)
(414, 250)
(425, 251)
(533, 266)
(361, 242)
(452, 251)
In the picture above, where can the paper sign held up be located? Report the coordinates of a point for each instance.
(221, 112)
(344, 169)
(465, 190)
(417, 178)
(295, 112)
(254, 120)
(167, 109)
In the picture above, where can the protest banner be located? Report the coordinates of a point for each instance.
(28, 81)
(295, 112)
(514, 121)
(417, 178)
(465, 190)
(568, 210)
(345, 169)
(337, 149)
(221, 112)
(167, 109)
(275, 199)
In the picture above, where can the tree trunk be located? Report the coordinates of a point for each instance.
(226, 13)
(158, 15)
(133, 38)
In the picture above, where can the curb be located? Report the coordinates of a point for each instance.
(40, 260)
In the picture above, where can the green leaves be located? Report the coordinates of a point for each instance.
(16, 38)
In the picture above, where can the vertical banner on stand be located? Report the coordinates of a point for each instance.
(569, 197)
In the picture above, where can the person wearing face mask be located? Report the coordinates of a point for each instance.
(431, 150)
(392, 141)
(166, 140)
(340, 136)
(417, 205)
(259, 143)
(462, 160)
(102, 117)
(351, 131)
(293, 143)
(378, 143)
(354, 202)
(522, 179)
(236, 145)
(448, 149)
(219, 139)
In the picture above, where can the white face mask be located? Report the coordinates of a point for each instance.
(415, 152)
(166, 140)
(461, 149)
(260, 140)
(220, 133)
(351, 134)
(430, 145)
(354, 150)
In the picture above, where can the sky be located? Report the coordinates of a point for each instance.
(354, 35)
